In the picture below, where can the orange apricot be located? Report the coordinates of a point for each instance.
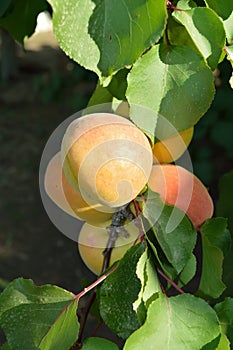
(179, 187)
(170, 149)
(68, 198)
(109, 157)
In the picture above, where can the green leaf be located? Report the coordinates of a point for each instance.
(225, 314)
(118, 293)
(38, 317)
(216, 231)
(212, 345)
(4, 5)
(211, 284)
(224, 343)
(228, 273)
(150, 286)
(224, 204)
(178, 35)
(106, 36)
(225, 10)
(189, 271)
(98, 344)
(21, 20)
(101, 99)
(6, 347)
(206, 30)
(174, 82)
(118, 84)
(172, 229)
(177, 323)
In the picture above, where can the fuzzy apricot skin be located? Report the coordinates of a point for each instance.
(172, 148)
(109, 157)
(179, 187)
(68, 198)
(93, 240)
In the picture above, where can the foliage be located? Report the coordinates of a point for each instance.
(161, 56)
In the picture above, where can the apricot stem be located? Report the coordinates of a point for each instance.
(170, 281)
(118, 220)
(139, 223)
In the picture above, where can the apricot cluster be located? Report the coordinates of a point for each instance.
(105, 162)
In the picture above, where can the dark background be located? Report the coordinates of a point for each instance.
(47, 89)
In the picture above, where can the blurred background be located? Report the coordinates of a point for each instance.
(41, 89)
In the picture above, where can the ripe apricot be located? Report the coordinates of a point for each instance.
(179, 187)
(170, 149)
(68, 198)
(93, 240)
(110, 158)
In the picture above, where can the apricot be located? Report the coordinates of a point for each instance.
(109, 157)
(68, 198)
(170, 149)
(93, 240)
(179, 187)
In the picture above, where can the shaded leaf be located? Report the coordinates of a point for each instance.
(225, 314)
(172, 229)
(106, 36)
(177, 323)
(100, 100)
(38, 317)
(215, 229)
(225, 10)
(98, 344)
(175, 83)
(21, 20)
(118, 84)
(118, 293)
(224, 204)
(206, 30)
(189, 271)
(228, 273)
(211, 284)
(6, 347)
(4, 5)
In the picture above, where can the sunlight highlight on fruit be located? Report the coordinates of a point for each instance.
(110, 158)
(172, 148)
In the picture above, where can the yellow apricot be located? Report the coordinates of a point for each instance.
(68, 198)
(179, 187)
(93, 240)
(110, 158)
(170, 149)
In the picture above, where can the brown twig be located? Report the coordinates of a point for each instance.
(170, 281)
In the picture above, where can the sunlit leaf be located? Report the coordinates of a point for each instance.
(206, 30)
(176, 83)
(106, 36)
(177, 323)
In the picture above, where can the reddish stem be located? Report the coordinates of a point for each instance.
(95, 284)
(170, 281)
(139, 223)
